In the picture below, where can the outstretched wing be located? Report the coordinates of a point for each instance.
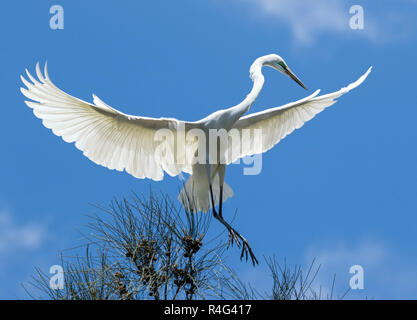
(106, 136)
(276, 123)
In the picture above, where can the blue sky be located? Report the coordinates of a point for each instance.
(342, 189)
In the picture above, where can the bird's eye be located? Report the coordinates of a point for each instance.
(282, 64)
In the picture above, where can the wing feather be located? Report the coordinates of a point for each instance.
(277, 123)
(105, 135)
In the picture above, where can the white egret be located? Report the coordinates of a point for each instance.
(124, 142)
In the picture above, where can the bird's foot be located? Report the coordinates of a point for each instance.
(233, 238)
(247, 251)
(241, 242)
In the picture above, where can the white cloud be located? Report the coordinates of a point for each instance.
(366, 253)
(310, 19)
(307, 18)
(15, 236)
(387, 274)
(23, 241)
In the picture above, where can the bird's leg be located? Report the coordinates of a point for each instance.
(212, 202)
(232, 233)
(234, 236)
(221, 202)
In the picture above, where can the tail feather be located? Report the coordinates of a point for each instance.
(195, 195)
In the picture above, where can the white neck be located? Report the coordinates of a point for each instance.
(258, 82)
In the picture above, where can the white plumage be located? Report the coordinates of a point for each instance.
(106, 136)
(123, 142)
(277, 123)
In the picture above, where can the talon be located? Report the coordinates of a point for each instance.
(234, 236)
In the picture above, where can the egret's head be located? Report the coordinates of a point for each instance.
(276, 62)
